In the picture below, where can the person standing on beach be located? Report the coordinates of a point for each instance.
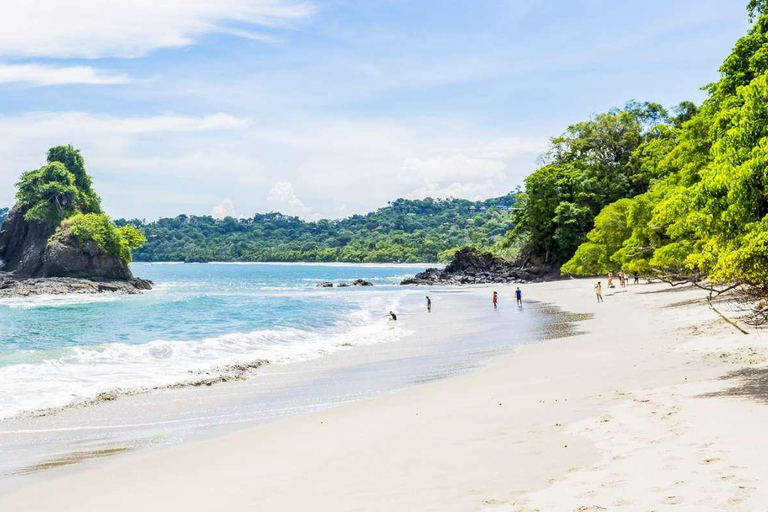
(610, 279)
(495, 300)
(637, 277)
(519, 296)
(429, 304)
(599, 292)
(392, 316)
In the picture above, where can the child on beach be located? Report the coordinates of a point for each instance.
(495, 299)
(519, 296)
(599, 292)
(392, 316)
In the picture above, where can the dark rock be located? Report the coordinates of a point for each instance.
(470, 266)
(342, 285)
(22, 243)
(66, 257)
(325, 284)
(361, 282)
(11, 286)
(34, 262)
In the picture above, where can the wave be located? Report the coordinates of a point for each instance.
(49, 381)
(48, 301)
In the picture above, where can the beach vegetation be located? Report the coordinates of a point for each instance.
(60, 195)
(99, 228)
(706, 210)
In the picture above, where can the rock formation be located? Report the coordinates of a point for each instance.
(470, 266)
(39, 252)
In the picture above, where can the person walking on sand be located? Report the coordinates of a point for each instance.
(519, 296)
(637, 277)
(610, 279)
(429, 304)
(599, 292)
(495, 300)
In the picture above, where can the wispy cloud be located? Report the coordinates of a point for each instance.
(282, 198)
(41, 75)
(94, 28)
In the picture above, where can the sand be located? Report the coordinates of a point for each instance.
(644, 411)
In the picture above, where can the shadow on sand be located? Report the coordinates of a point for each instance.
(753, 385)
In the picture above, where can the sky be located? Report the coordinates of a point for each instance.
(324, 109)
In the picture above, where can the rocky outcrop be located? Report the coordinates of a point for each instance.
(66, 257)
(11, 286)
(470, 266)
(361, 282)
(22, 244)
(33, 262)
(325, 284)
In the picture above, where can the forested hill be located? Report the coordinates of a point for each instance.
(425, 230)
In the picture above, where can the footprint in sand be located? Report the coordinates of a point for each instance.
(673, 500)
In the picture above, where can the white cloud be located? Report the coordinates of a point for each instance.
(453, 168)
(225, 209)
(283, 199)
(164, 165)
(37, 74)
(454, 176)
(95, 28)
(62, 123)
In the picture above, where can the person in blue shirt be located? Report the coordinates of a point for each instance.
(519, 296)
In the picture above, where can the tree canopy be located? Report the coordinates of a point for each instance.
(425, 230)
(707, 208)
(58, 190)
(591, 165)
(60, 195)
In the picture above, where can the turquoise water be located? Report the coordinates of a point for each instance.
(199, 320)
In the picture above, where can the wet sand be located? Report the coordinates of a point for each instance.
(660, 405)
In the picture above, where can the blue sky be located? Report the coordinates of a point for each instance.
(329, 108)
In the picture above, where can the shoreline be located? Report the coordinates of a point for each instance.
(581, 421)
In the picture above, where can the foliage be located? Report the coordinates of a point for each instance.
(594, 163)
(98, 227)
(59, 189)
(60, 195)
(425, 230)
(709, 210)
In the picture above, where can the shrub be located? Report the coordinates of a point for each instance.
(98, 227)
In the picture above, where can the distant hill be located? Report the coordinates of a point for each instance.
(427, 230)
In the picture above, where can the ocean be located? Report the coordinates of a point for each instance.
(199, 321)
(83, 377)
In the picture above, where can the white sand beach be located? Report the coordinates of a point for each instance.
(634, 414)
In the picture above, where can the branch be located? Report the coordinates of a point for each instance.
(711, 289)
(709, 300)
